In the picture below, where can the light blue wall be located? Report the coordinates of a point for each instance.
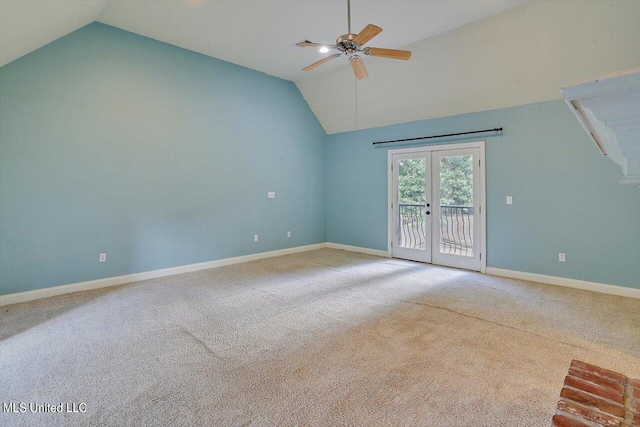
(565, 195)
(112, 142)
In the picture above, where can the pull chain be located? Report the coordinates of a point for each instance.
(355, 80)
(355, 84)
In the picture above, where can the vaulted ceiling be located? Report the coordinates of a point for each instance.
(258, 34)
(456, 45)
(262, 34)
(28, 25)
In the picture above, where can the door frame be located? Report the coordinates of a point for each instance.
(483, 193)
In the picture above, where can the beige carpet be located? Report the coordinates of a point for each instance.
(319, 338)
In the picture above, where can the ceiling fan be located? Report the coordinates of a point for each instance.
(352, 44)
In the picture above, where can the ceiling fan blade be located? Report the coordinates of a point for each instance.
(307, 43)
(319, 63)
(387, 53)
(358, 67)
(367, 33)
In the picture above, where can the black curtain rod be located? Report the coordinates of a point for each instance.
(438, 136)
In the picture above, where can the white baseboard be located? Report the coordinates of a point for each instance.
(146, 275)
(367, 251)
(522, 275)
(136, 277)
(570, 283)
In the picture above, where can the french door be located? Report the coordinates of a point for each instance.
(435, 212)
(411, 206)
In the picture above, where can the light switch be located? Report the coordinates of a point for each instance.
(271, 195)
(509, 200)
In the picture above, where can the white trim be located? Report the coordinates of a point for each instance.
(390, 196)
(483, 188)
(563, 281)
(359, 249)
(136, 277)
(419, 255)
(146, 275)
(437, 147)
(483, 209)
(474, 262)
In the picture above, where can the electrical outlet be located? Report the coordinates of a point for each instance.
(288, 234)
(255, 237)
(509, 200)
(562, 257)
(102, 258)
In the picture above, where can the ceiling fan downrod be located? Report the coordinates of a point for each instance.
(348, 16)
(351, 44)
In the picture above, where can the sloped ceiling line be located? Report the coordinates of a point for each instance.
(258, 34)
(28, 25)
(467, 55)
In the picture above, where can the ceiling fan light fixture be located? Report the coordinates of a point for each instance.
(351, 44)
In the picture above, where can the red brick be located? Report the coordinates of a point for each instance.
(636, 420)
(590, 400)
(598, 390)
(597, 379)
(598, 370)
(636, 407)
(634, 382)
(588, 413)
(635, 392)
(560, 420)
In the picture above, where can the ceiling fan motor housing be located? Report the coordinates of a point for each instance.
(345, 43)
(350, 44)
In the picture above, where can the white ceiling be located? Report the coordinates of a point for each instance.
(521, 56)
(258, 34)
(26, 25)
(261, 34)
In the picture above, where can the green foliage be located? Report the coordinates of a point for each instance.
(411, 173)
(456, 181)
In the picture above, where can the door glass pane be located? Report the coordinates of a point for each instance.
(411, 203)
(456, 205)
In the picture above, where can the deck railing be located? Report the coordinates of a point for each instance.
(456, 228)
(412, 226)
